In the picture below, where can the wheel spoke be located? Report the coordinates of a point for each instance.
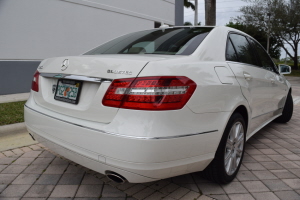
(227, 157)
(237, 131)
(239, 152)
(231, 134)
(240, 139)
(229, 144)
(234, 163)
(228, 166)
(231, 164)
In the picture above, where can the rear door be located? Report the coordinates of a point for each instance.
(254, 80)
(278, 86)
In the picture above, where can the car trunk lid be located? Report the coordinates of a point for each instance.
(95, 74)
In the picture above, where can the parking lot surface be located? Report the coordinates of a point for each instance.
(270, 171)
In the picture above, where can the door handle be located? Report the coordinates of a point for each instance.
(247, 76)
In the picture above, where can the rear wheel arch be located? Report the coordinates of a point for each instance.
(244, 112)
(217, 170)
(288, 109)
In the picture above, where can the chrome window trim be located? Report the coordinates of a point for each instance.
(247, 37)
(119, 135)
(75, 77)
(227, 61)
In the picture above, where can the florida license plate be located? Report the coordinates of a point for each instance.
(68, 91)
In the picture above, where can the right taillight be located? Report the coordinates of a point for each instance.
(35, 81)
(150, 93)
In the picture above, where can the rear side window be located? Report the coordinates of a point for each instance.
(230, 52)
(244, 51)
(264, 59)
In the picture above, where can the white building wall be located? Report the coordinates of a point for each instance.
(38, 29)
(31, 30)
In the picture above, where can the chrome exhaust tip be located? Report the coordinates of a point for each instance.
(115, 177)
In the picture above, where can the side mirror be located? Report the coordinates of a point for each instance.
(284, 69)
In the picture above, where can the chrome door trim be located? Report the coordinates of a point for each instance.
(75, 77)
(119, 135)
(275, 112)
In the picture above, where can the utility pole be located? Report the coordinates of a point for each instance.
(210, 12)
(196, 13)
(285, 58)
(268, 38)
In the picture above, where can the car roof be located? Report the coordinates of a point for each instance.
(215, 27)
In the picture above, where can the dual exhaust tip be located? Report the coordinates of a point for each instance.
(115, 177)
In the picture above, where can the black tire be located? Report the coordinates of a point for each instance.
(287, 112)
(216, 171)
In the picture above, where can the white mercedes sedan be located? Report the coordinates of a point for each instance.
(159, 103)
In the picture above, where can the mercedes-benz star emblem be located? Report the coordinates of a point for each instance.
(65, 65)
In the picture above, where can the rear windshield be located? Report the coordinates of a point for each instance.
(171, 41)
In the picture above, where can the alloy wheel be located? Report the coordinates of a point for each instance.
(234, 148)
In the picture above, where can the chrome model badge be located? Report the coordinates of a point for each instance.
(65, 65)
(119, 72)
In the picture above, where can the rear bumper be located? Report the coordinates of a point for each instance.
(96, 165)
(138, 159)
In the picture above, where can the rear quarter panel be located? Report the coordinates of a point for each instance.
(210, 95)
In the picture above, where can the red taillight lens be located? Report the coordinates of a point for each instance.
(150, 93)
(35, 81)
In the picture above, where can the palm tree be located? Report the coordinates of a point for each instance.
(189, 4)
(194, 7)
(210, 12)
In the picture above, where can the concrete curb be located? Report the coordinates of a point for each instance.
(12, 129)
(14, 97)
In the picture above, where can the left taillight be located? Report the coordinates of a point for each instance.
(35, 81)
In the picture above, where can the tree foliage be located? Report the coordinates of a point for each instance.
(260, 36)
(280, 17)
(189, 4)
(188, 24)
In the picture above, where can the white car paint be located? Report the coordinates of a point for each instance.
(146, 145)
